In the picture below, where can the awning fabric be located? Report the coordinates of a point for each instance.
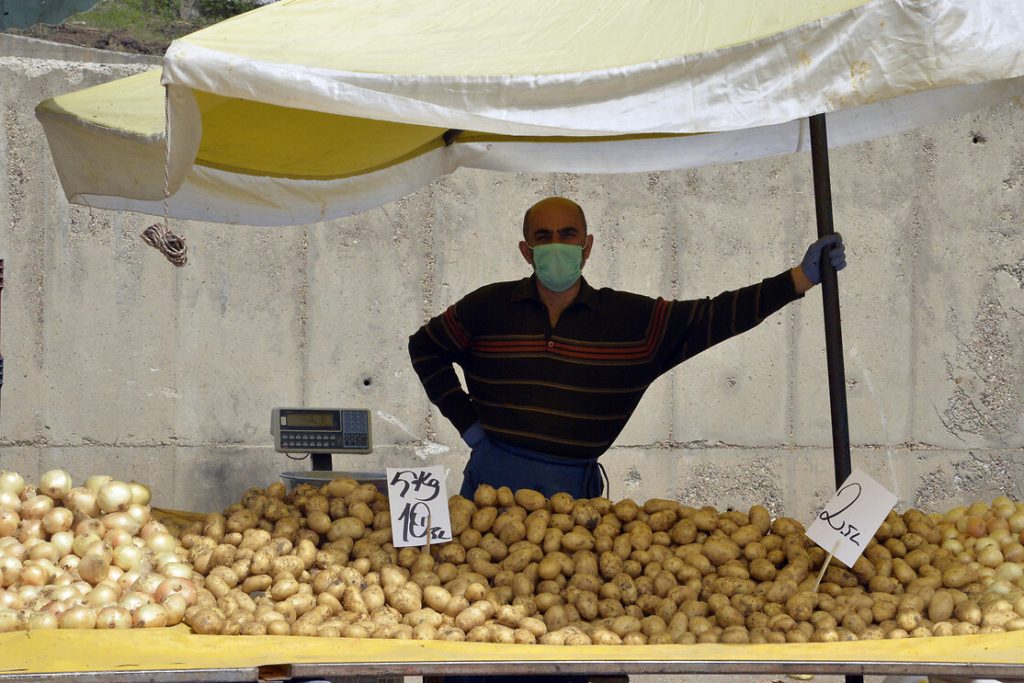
(306, 110)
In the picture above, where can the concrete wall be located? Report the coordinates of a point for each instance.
(119, 363)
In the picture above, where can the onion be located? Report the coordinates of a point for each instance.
(140, 513)
(140, 493)
(148, 583)
(69, 562)
(16, 549)
(175, 605)
(10, 501)
(65, 578)
(113, 617)
(161, 543)
(10, 571)
(30, 594)
(150, 528)
(58, 519)
(56, 607)
(118, 537)
(11, 482)
(65, 593)
(82, 501)
(78, 617)
(28, 492)
(10, 600)
(176, 586)
(30, 528)
(1014, 552)
(127, 556)
(122, 520)
(133, 600)
(96, 482)
(8, 521)
(36, 507)
(44, 550)
(114, 496)
(42, 621)
(83, 542)
(178, 570)
(90, 526)
(55, 484)
(102, 595)
(149, 616)
(95, 563)
(114, 575)
(33, 575)
(134, 574)
(10, 621)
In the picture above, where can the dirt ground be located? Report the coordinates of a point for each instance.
(84, 36)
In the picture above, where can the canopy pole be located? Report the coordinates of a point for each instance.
(830, 304)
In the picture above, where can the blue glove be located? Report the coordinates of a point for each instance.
(473, 435)
(811, 265)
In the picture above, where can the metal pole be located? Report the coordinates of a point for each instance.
(830, 305)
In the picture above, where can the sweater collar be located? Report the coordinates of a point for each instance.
(527, 289)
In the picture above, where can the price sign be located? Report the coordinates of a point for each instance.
(851, 518)
(419, 506)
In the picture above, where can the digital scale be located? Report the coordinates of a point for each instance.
(320, 432)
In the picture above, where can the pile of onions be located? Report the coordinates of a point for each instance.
(87, 557)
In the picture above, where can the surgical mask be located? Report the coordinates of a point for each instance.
(558, 266)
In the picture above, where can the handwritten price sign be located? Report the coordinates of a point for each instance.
(851, 518)
(419, 506)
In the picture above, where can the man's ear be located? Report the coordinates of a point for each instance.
(587, 245)
(525, 250)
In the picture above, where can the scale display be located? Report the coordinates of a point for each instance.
(320, 430)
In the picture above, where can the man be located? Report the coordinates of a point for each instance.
(554, 368)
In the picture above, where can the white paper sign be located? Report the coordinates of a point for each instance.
(418, 499)
(852, 517)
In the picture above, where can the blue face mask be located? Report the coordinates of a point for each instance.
(558, 266)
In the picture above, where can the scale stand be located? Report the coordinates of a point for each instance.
(322, 462)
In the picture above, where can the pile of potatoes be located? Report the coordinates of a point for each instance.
(527, 569)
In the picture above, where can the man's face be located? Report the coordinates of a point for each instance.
(555, 222)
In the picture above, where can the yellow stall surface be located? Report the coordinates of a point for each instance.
(25, 653)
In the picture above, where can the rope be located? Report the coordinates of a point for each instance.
(170, 245)
(159, 236)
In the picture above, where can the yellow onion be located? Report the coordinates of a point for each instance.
(11, 482)
(160, 543)
(69, 562)
(10, 501)
(78, 617)
(114, 496)
(118, 537)
(95, 563)
(149, 616)
(96, 482)
(44, 550)
(140, 493)
(129, 578)
(102, 595)
(121, 520)
(148, 583)
(30, 528)
(114, 575)
(29, 491)
(10, 600)
(83, 542)
(151, 528)
(36, 507)
(90, 526)
(178, 570)
(65, 593)
(175, 605)
(127, 556)
(58, 519)
(8, 521)
(10, 570)
(30, 594)
(11, 621)
(55, 484)
(132, 600)
(176, 586)
(42, 621)
(140, 513)
(33, 575)
(113, 617)
(82, 502)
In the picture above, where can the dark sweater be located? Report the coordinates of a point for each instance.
(570, 390)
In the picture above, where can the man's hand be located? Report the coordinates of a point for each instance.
(810, 268)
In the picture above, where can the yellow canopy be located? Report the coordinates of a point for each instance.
(305, 110)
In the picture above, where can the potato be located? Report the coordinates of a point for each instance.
(530, 500)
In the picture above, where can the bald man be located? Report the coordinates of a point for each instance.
(554, 368)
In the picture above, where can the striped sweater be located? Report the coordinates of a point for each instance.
(570, 390)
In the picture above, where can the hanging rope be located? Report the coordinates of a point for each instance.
(172, 246)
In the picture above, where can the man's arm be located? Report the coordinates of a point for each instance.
(434, 349)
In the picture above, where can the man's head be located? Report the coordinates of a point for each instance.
(555, 220)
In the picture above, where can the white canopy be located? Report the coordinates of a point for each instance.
(306, 110)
